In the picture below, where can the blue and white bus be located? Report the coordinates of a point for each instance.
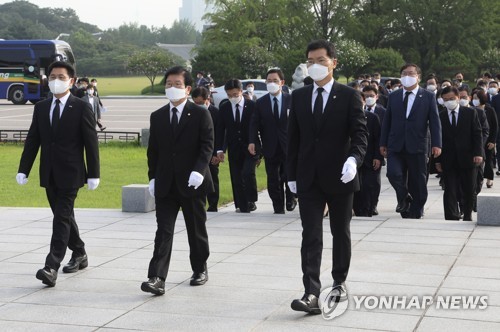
(23, 67)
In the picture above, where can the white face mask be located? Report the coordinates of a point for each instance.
(250, 89)
(58, 86)
(492, 91)
(377, 80)
(318, 72)
(432, 87)
(476, 102)
(90, 92)
(440, 101)
(395, 88)
(235, 100)
(273, 88)
(370, 101)
(451, 104)
(408, 81)
(175, 94)
(464, 102)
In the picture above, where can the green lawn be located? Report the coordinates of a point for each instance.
(121, 164)
(123, 86)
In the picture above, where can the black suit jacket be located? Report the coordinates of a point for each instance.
(236, 137)
(320, 153)
(495, 103)
(373, 148)
(62, 153)
(214, 113)
(272, 133)
(172, 158)
(461, 145)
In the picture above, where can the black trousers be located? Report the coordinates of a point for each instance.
(366, 200)
(65, 233)
(458, 182)
(488, 164)
(407, 174)
(311, 206)
(277, 182)
(195, 217)
(213, 198)
(244, 184)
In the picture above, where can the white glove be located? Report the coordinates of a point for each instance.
(21, 179)
(195, 180)
(349, 170)
(152, 187)
(292, 185)
(92, 184)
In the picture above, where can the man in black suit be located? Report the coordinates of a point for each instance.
(179, 152)
(462, 152)
(63, 127)
(270, 120)
(366, 199)
(201, 97)
(411, 113)
(327, 139)
(233, 125)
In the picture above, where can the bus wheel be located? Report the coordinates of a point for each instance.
(17, 95)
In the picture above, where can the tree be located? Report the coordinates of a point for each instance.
(490, 61)
(385, 61)
(452, 62)
(150, 63)
(351, 57)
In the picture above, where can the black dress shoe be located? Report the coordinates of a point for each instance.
(290, 206)
(75, 264)
(467, 217)
(339, 289)
(404, 205)
(212, 209)
(154, 285)
(252, 206)
(375, 212)
(308, 303)
(199, 278)
(48, 276)
(279, 212)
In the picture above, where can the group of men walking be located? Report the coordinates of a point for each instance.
(321, 144)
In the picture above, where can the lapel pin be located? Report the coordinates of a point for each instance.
(189, 114)
(334, 96)
(420, 95)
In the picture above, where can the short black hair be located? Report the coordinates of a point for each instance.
(276, 71)
(481, 95)
(62, 64)
(319, 44)
(83, 79)
(395, 81)
(370, 88)
(233, 83)
(463, 88)
(308, 80)
(200, 91)
(487, 74)
(90, 86)
(179, 70)
(406, 65)
(493, 82)
(93, 80)
(449, 89)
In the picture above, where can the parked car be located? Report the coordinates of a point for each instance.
(219, 94)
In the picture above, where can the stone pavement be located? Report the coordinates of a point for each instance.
(254, 271)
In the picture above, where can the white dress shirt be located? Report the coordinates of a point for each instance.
(180, 108)
(456, 114)
(63, 100)
(328, 87)
(411, 99)
(279, 98)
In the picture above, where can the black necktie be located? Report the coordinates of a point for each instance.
(276, 110)
(175, 120)
(318, 107)
(453, 119)
(56, 113)
(405, 101)
(237, 117)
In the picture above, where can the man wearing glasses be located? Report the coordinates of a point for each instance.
(411, 113)
(64, 127)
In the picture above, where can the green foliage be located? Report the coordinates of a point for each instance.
(386, 61)
(451, 62)
(150, 63)
(351, 56)
(490, 61)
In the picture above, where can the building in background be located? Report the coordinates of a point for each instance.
(193, 10)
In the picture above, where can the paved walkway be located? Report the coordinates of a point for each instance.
(254, 271)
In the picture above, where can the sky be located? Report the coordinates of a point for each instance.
(113, 13)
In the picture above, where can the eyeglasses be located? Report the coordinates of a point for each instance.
(179, 85)
(409, 73)
(60, 77)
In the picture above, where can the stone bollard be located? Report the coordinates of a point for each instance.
(488, 209)
(136, 198)
(145, 137)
